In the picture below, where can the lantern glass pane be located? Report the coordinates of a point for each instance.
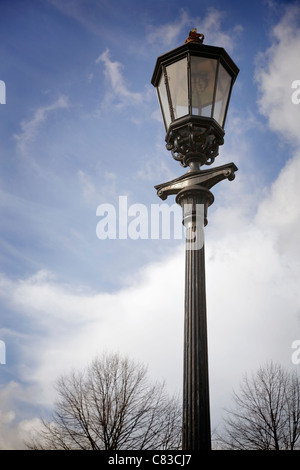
(178, 86)
(222, 95)
(203, 77)
(164, 102)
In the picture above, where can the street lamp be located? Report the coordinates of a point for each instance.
(194, 83)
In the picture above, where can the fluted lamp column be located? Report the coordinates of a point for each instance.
(196, 407)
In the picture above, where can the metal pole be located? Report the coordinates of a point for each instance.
(196, 434)
(194, 196)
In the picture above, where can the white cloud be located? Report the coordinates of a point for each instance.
(253, 271)
(214, 33)
(119, 89)
(30, 127)
(280, 209)
(68, 326)
(91, 194)
(276, 71)
(253, 306)
(88, 189)
(14, 431)
(169, 34)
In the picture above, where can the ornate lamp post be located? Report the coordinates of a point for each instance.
(194, 83)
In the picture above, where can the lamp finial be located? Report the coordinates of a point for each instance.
(194, 36)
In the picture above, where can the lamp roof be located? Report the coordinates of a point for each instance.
(195, 48)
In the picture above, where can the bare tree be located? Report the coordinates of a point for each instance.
(267, 412)
(109, 406)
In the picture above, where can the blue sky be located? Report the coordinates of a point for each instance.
(81, 127)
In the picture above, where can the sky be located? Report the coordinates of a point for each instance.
(82, 144)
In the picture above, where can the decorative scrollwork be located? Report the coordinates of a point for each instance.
(195, 139)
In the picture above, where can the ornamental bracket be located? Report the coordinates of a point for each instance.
(201, 178)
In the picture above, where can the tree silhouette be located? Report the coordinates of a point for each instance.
(267, 412)
(111, 405)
